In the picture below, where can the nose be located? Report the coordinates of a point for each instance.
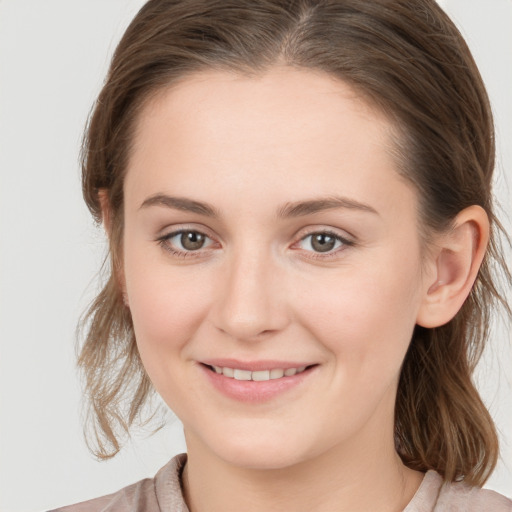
(250, 301)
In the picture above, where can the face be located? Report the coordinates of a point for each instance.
(272, 264)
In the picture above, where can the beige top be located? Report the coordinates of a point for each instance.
(163, 494)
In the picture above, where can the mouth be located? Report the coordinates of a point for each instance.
(256, 382)
(257, 375)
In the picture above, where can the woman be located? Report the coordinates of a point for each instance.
(298, 200)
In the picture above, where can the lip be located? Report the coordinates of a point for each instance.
(254, 391)
(254, 366)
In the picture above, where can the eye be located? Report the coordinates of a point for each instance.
(323, 242)
(185, 241)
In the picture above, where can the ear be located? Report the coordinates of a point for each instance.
(105, 209)
(454, 266)
(106, 218)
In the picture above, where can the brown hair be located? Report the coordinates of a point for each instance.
(404, 56)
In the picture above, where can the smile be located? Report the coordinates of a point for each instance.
(256, 381)
(259, 375)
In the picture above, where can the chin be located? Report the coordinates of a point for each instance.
(261, 460)
(256, 452)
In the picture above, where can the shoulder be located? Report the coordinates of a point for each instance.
(163, 492)
(138, 496)
(460, 496)
(434, 495)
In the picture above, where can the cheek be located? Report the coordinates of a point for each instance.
(167, 303)
(167, 308)
(365, 316)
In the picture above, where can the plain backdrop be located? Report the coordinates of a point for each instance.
(53, 57)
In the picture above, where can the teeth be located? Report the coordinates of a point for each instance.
(277, 373)
(263, 375)
(260, 375)
(242, 375)
(228, 372)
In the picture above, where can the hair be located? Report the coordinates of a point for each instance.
(406, 58)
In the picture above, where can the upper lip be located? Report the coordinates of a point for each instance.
(252, 366)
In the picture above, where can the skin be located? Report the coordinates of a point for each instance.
(258, 289)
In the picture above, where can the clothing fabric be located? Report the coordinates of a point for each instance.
(163, 493)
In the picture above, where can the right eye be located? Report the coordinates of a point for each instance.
(185, 241)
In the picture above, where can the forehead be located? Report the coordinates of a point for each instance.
(236, 134)
(311, 99)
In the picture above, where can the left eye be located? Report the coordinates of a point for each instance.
(322, 242)
(187, 241)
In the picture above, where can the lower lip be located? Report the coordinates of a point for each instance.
(254, 391)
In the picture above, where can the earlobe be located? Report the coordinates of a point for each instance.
(456, 262)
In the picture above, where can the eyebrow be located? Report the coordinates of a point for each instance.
(301, 208)
(181, 203)
(294, 209)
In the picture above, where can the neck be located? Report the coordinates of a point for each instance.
(360, 475)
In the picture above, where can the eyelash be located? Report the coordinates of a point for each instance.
(345, 243)
(163, 241)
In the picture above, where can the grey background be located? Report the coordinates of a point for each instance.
(53, 57)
